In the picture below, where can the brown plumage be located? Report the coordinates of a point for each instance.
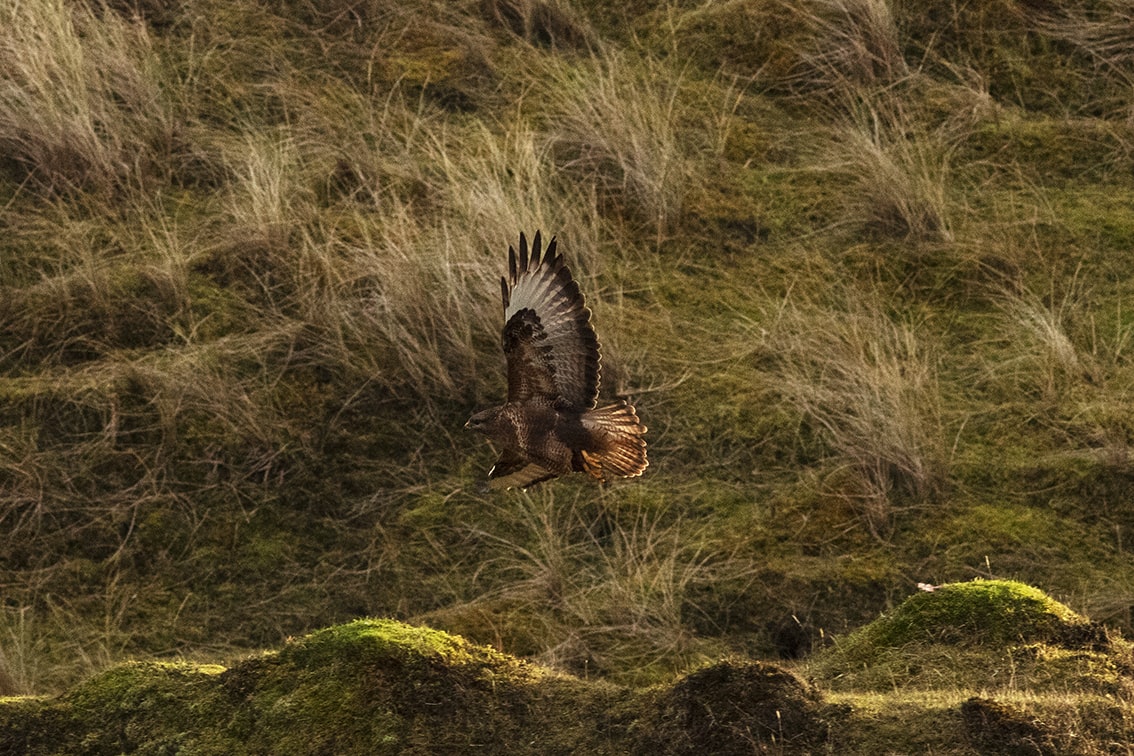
(549, 425)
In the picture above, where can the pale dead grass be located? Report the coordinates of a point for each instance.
(897, 176)
(614, 122)
(868, 386)
(81, 104)
(1102, 31)
(400, 279)
(599, 589)
(855, 44)
(1046, 357)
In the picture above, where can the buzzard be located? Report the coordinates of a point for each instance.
(549, 425)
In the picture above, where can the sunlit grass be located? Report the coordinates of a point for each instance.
(615, 123)
(897, 182)
(599, 582)
(869, 388)
(83, 107)
(249, 291)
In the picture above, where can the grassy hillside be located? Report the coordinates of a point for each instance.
(862, 266)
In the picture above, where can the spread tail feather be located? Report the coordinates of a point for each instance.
(617, 448)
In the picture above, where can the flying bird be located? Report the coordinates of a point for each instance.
(549, 425)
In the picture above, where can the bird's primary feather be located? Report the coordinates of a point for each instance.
(549, 425)
(548, 339)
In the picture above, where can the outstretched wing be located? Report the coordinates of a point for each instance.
(548, 339)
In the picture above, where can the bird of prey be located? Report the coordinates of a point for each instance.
(549, 425)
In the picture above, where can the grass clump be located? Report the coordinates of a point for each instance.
(615, 123)
(867, 387)
(855, 44)
(897, 184)
(584, 587)
(83, 108)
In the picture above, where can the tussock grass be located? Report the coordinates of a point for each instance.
(421, 325)
(897, 180)
(602, 587)
(1100, 30)
(615, 122)
(18, 658)
(551, 23)
(1049, 358)
(509, 179)
(868, 386)
(398, 281)
(809, 50)
(82, 106)
(1068, 360)
(268, 196)
(854, 44)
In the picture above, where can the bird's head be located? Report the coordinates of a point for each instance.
(483, 421)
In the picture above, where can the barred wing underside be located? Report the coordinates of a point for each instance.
(548, 339)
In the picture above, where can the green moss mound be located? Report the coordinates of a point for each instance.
(136, 706)
(383, 687)
(386, 685)
(992, 612)
(390, 644)
(981, 634)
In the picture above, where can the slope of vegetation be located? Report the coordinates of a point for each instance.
(380, 686)
(862, 265)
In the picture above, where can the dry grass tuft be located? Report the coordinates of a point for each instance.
(397, 283)
(897, 178)
(869, 389)
(1102, 31)
(854, 44)
(1071, 361)
(615, 123)
(552, 23)
(507, 181)
(1050, 360)
(592, 589)
(409, 307)
(81, 105)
